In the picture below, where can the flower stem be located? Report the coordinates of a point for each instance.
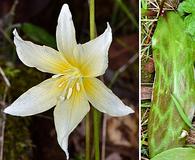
(96, 123)
(92, 19)
(96, 114)
(87, 137)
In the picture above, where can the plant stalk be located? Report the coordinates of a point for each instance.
(87, 137)
(96, 114)
(92, 19)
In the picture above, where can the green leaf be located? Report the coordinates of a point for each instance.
(187, 6)
(176, 154)
(181, 112)
(144, 4)
(190, 25)
(38, 34)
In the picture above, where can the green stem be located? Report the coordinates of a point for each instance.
(96, 138)
(87, 137)
(92, 19)
(96, 114)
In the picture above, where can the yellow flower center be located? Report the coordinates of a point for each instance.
(70, 81)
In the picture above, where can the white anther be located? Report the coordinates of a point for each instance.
(184, 133)
(78, 87)
(62, 98)
(57, 75)
(69, 93)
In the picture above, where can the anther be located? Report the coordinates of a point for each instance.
(69, 93)
(184, 133)
(78, 86)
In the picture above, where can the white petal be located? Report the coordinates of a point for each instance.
(103, 99)
(93, 55)
(43, 58)
(37, 99)
(67, 115)
(65, 33)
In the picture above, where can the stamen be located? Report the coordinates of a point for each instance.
(69, 93)
(78, 87)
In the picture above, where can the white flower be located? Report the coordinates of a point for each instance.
(73, 85)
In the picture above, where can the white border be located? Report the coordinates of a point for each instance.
(139, 79)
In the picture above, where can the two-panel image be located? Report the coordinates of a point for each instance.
(97, 80)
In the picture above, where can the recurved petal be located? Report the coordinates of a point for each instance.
(37, 99)
(65, 33)
(103, 98)
(93, 55)
(43, 58)
(67, 115)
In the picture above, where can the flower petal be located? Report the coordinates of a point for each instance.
(67, 115)
(65, 33)
(43, 58)
(37, 99)
(93, 55)
(103, 99)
